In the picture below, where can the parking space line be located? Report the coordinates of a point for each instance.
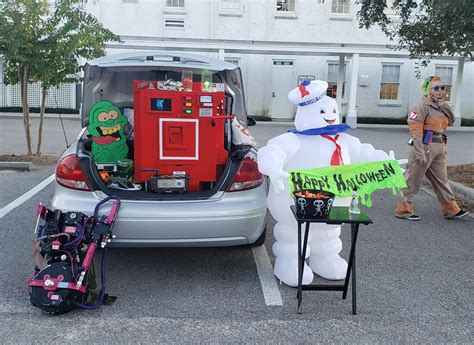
(270, 289)
(18, 201)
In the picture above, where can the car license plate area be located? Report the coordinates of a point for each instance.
(176, 183)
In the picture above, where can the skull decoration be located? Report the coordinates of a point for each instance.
(330, 201)
(319, 205)
(301, 203)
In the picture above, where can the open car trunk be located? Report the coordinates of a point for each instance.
(115, 79)
(90, 168)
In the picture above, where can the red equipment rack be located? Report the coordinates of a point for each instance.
(179, 131)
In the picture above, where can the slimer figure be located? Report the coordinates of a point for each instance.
(107, 125)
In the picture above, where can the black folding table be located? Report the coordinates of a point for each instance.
(338, 215)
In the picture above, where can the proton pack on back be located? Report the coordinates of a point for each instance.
(63, 253)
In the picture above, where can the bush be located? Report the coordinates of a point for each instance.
(260, 117)
(383, 120)
(467, 122)
(37, 110)
(402, 121)
(380, 120)
(376, 120)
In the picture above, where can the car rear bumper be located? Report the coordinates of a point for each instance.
(226, 219)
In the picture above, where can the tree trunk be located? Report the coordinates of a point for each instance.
(44, 93)
(26, 110)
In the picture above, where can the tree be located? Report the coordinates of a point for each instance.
(426, 28)
(41, 41)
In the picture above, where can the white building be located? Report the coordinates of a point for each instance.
(278, 42)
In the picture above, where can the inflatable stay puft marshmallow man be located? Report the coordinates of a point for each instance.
(318, 141)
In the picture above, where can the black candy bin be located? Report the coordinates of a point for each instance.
(313, 203)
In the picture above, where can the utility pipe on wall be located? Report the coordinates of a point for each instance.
(458, 91)
(340, 83)
(351, 119)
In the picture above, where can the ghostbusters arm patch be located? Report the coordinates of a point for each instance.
(413, 115)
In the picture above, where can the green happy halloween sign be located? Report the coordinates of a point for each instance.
(342, 180)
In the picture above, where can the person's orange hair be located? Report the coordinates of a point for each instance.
(426, 84)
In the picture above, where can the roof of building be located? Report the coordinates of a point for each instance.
(265, 47)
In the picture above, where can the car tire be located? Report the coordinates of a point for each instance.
(261, 240)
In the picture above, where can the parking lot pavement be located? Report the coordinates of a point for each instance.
(16, 183)
(55, 140)
(415, 282)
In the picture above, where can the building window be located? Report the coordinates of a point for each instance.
(286, 5)
(231, 60)
(333, 69)
(282, 63)
(173, 23)
(390, 82)
(340, 6)
(446, 75)
(175, 3)
(230, 5)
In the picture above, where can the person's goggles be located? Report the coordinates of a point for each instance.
(439, 88)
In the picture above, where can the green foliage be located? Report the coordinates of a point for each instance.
(20, 24)
(41, 41)
(426, 28)
(46, 38)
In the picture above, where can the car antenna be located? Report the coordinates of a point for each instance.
(60, 118)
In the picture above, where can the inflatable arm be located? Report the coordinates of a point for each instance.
(272, 158)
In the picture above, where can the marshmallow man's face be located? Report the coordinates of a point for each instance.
(320, 114)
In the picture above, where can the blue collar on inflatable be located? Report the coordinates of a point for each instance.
(311, 101)
(331, 130)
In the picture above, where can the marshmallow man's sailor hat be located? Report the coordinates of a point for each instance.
(308, 92)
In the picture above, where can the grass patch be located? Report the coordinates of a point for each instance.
(38, 160)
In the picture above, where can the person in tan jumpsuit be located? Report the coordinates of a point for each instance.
(429, 158)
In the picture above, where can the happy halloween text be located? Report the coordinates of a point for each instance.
(301, 181)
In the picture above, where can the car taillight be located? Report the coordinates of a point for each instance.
(247, 176)
(70, 174)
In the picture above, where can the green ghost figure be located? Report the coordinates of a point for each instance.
(107, 127)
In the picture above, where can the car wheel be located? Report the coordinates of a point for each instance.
(261, 240)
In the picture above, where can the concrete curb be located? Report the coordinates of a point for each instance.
(464, 191)
(427, 189)
(16, 166)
